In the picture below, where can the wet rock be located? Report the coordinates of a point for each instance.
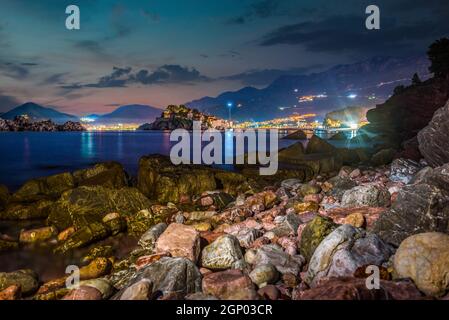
(343, 251)
(366, 195)
(26, 279)
(425, 259)
(143, 220)
(83, 293)
(8, 245)
(229, 285)
(66, 233)
(115, 222)
(264, 274)
(346, 288)
(308, 189)
(403, 170)
(140, 290)
(168, 275)
(149, 238)
(433, 141)
(143, 261)
(313, 234)
(418, 209)
(83, 237)
(180, 241)
(37, 235)
(11, 293)
(283, 262)
(96, 269)
(99, 252)
(84, 205)
(383, 157)
(19, 211)
(4, 196)
(291, 184)
(44, 188)
(108, 174)
(223, 253)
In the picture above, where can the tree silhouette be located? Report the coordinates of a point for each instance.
(439, 57)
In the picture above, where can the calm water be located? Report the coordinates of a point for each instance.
(27, 155)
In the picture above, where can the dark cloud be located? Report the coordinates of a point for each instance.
(14, 70)
(8, 102)
(57, 78)
(258, 9)
(166, 74)
(338, 34)
(90, 46)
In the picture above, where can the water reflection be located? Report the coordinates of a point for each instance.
(87, 145)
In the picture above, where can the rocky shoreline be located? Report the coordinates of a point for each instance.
(22, 123)
(203, 233)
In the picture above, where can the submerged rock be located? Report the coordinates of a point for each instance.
(343, 251)
(425, 259)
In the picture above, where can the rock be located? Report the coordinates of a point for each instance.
(83, 293)
(96, 269)
(370, 214)
(403, 170)
(288, 226)
(26, 211)
(269, 292)
(346, 288)
(160, 180)
(264, 274)
(318, 145)
(115, 222)
(229, 285)
(84, 205)
(37, 235)
(433, 141)
(8, 245)
(143, 220)
(250, 256)
(141, 290)
(283, 262)
(297, 135)
(418, 209)
(355, 219)
(149, 238)
(247, 236)
(99, 252)
(291, 184)
(425, 259)
(308, 189)
(200, 297)
(26, 279)
(101, 284)
(180, 241)
(108, 174)
(313, 234)
(66, 233)
(339, 185)
(383, 157)
(302, 207)
(4, 196)
(366, 195)
(343, 251)
(11, 293)
(223, 253)
(44, 188)
(168, 275)
(83, 237)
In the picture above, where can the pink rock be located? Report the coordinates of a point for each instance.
(11, 293)
(371, 214)
(180, 241)
(300, 230)
(206, 201)
(355, 174)
(317, 198)
(83, 293)
(288, 244)
(229, 285)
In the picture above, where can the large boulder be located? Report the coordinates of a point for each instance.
(83, 205)
(343, 251)
(314, 232)
(318, 145)
(107, 174)
(425, 259)
(178, 276)
(433, 139)
(162, 181)
(180, 241)
(418, 209)
(366, 195)
(35, 210)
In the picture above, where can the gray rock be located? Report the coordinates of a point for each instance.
(264, 274)
(403, 170)
(149, 238)
(168, 275)
(433, 140)
(247, 236)
(339, 186)
(282, 261)
(291, 184)
(288, 226)
(418, 208)
(222, 254)
(343, 251)
(140, 290)
(367, 195)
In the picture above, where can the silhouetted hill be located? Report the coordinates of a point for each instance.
(36, 112)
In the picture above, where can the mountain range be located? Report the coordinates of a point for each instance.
(125, 114)
(364, 83)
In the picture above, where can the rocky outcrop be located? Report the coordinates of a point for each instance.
(22, 123)
(297, 135)
(433, 139)
(107, 174)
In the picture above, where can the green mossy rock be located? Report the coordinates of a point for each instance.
(27, 279)
(84, 205)
(44, 188)
(141, 222)
(84, 236)
(315, 232)
(107, 174)
(18, 211)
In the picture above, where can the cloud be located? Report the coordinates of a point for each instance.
(260, 9)
(90, 46)
(57, 78)
(8, 102)
(18, 71)
(337, 34)
(122, 77)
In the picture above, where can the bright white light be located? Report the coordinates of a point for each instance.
(353, 125)
(229, 104)
(296, 90)
(352, 96)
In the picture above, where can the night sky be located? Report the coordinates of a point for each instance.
(160, 52)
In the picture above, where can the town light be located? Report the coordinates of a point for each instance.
(353, 125)
(352, 96)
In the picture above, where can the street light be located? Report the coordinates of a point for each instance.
(229, 104)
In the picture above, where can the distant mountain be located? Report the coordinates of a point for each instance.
(134, 113)
(365, 83)
(38, 113)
